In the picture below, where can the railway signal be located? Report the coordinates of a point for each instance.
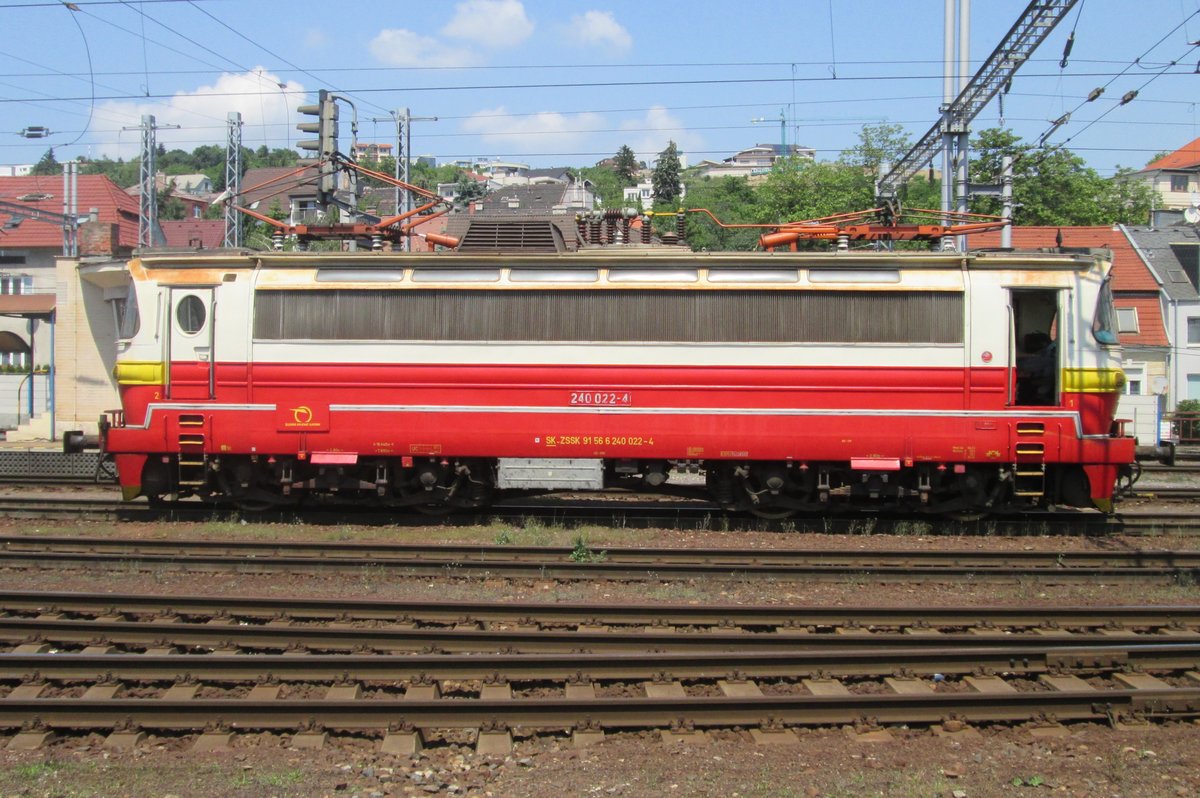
(325, 145)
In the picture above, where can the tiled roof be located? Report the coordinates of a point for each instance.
(1133, 283)
(266, 183)
(94, 191)
(1186, 157)
(1129, 272)
(209, 233)
(1162, 249)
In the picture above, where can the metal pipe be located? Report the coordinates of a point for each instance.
(948, 53)
(964, 43)
(51, 375)
(964, 144)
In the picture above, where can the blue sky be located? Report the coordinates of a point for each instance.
(556, 83)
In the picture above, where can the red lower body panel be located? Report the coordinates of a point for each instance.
(713, 413)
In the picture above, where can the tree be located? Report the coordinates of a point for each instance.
(468, 189)
(48, 165)
(801, 189)
(732, 200)
(1054, 186)
(626, 166)
(877, 144)
(606, 184)
(667, 186)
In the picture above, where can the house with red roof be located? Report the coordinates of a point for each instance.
(30, 242)
(1175, 177)
(1137, 294)
(194, 233)
(33, 310)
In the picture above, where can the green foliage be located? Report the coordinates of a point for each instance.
(667, 185)
(1188, 426)
(606, 184)
(48, 165)
(1054, 187)
(877, 144)
(732, 200)
(469, 189)
(626, 166)
(801, 189)
(1031, 781)
(584, 553)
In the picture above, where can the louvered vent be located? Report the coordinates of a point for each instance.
(511, 236)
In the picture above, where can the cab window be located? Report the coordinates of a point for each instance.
(1104, 325)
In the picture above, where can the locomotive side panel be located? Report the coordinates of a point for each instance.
(832, 376)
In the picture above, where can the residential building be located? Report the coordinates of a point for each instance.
(372, 151)
(1173, 254)
(753, 161)
(287, 190)
(449, 191)
(15, 169)
(194, 233)
(194, 191)
(643, 193)
(30, 246)
(1175, 177)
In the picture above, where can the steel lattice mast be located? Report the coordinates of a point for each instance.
(233, 180)
(1035, 23)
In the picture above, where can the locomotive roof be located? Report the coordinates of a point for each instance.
(648, 257)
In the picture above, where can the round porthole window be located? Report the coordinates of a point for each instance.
(189, 313)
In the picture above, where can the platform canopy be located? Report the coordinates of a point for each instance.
(27, 306)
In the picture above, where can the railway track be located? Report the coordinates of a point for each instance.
(620, 563)
(945, 667)
(624, 512)
(248, 612)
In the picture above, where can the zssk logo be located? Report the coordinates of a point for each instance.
(302, 417)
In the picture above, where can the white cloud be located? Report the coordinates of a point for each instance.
(403, 48)
(315, 38)
(548, 131)
(268, 114)
(599, 29)
(655, 130)
(496, 23)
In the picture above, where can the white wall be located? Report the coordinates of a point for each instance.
(10, 384)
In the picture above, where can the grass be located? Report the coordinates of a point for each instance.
(287, 778)
(35, 770)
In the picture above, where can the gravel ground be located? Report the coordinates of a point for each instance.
(1160, 760)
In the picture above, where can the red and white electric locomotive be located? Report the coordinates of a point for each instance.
(793, 381)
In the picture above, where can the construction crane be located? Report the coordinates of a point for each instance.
(783, 150)
(1033, 26)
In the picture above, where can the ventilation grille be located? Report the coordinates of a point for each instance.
(635, 315)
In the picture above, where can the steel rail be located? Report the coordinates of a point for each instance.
(283, 637)
(256, 609)
(1025, 659)
(378, 554)
(607, 713)
(563, 568)
(626, 512)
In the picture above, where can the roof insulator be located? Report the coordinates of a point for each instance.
(1095, 94)
(1067, 50)
(1128, 98)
